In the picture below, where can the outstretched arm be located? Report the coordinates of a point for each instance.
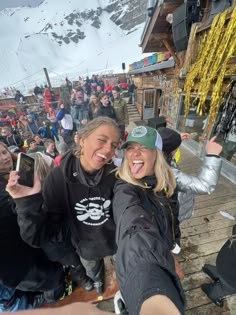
(207, 178)
(160, 305)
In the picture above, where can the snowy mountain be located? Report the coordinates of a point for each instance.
(70, 37)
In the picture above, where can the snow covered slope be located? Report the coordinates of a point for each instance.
(70, 37)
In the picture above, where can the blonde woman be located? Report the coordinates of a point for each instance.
(93, 106)
(145, 213)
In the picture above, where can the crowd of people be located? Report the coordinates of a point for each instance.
(84, 207)
(62, 114)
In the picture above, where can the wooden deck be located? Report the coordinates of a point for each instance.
(202, 237)
(111, 287)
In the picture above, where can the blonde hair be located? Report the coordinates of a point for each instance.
(91, 126)
(164, 175)
(13, 155)
(4, 175)
(91, 97)
(92, 106)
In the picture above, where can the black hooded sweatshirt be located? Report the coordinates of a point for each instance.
(76, 199)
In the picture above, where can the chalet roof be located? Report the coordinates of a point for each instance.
(147, 22)
(158, 66)
(157, 29)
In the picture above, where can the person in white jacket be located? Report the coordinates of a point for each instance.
(67, 123)
(207, 178)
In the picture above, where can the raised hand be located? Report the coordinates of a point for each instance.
(212, 147)
(184, 136)
(17, 191)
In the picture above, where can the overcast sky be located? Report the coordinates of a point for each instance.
(18, 3)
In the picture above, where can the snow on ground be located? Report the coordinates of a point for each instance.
(26, 48)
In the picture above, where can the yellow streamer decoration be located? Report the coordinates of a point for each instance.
(215, 49)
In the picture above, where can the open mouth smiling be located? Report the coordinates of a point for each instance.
(101, 156)
(137, 166)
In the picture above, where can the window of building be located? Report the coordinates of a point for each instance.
(193, 123)
(149, 103)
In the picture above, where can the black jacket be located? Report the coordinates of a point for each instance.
(226, 261)
(13, 140)
(22, 266)
(106, 111)
(74, 200)
(144, 236)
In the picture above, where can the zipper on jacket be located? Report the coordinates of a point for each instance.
(171, 214)
(172, 221)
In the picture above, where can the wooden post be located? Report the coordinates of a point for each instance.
(170, 49)
(47, 77)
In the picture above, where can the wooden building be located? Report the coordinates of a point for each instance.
(154, 85)
(194, 89)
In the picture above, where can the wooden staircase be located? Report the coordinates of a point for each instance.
(133, 113)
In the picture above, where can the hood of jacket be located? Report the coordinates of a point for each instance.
(74, 172)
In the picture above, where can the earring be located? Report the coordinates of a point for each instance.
(109, 162)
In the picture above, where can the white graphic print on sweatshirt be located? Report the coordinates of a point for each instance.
(93, 211)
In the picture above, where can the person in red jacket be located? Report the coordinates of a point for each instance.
(108, 88)
(61, 148)
(47, 99)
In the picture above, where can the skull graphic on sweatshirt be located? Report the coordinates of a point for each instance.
(93, 211)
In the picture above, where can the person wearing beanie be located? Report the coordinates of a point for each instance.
(188, 186)
(171, 140)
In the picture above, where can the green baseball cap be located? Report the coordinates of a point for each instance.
(146, 136)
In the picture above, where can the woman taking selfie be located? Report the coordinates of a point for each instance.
(145, 212)
(76, 203)
(22, 268)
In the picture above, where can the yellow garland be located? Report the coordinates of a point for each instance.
(211, 64)
(202, 53)
(175, 87)
(215, 49)
(231, 69)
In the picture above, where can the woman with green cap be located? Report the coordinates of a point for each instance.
(145, 212)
